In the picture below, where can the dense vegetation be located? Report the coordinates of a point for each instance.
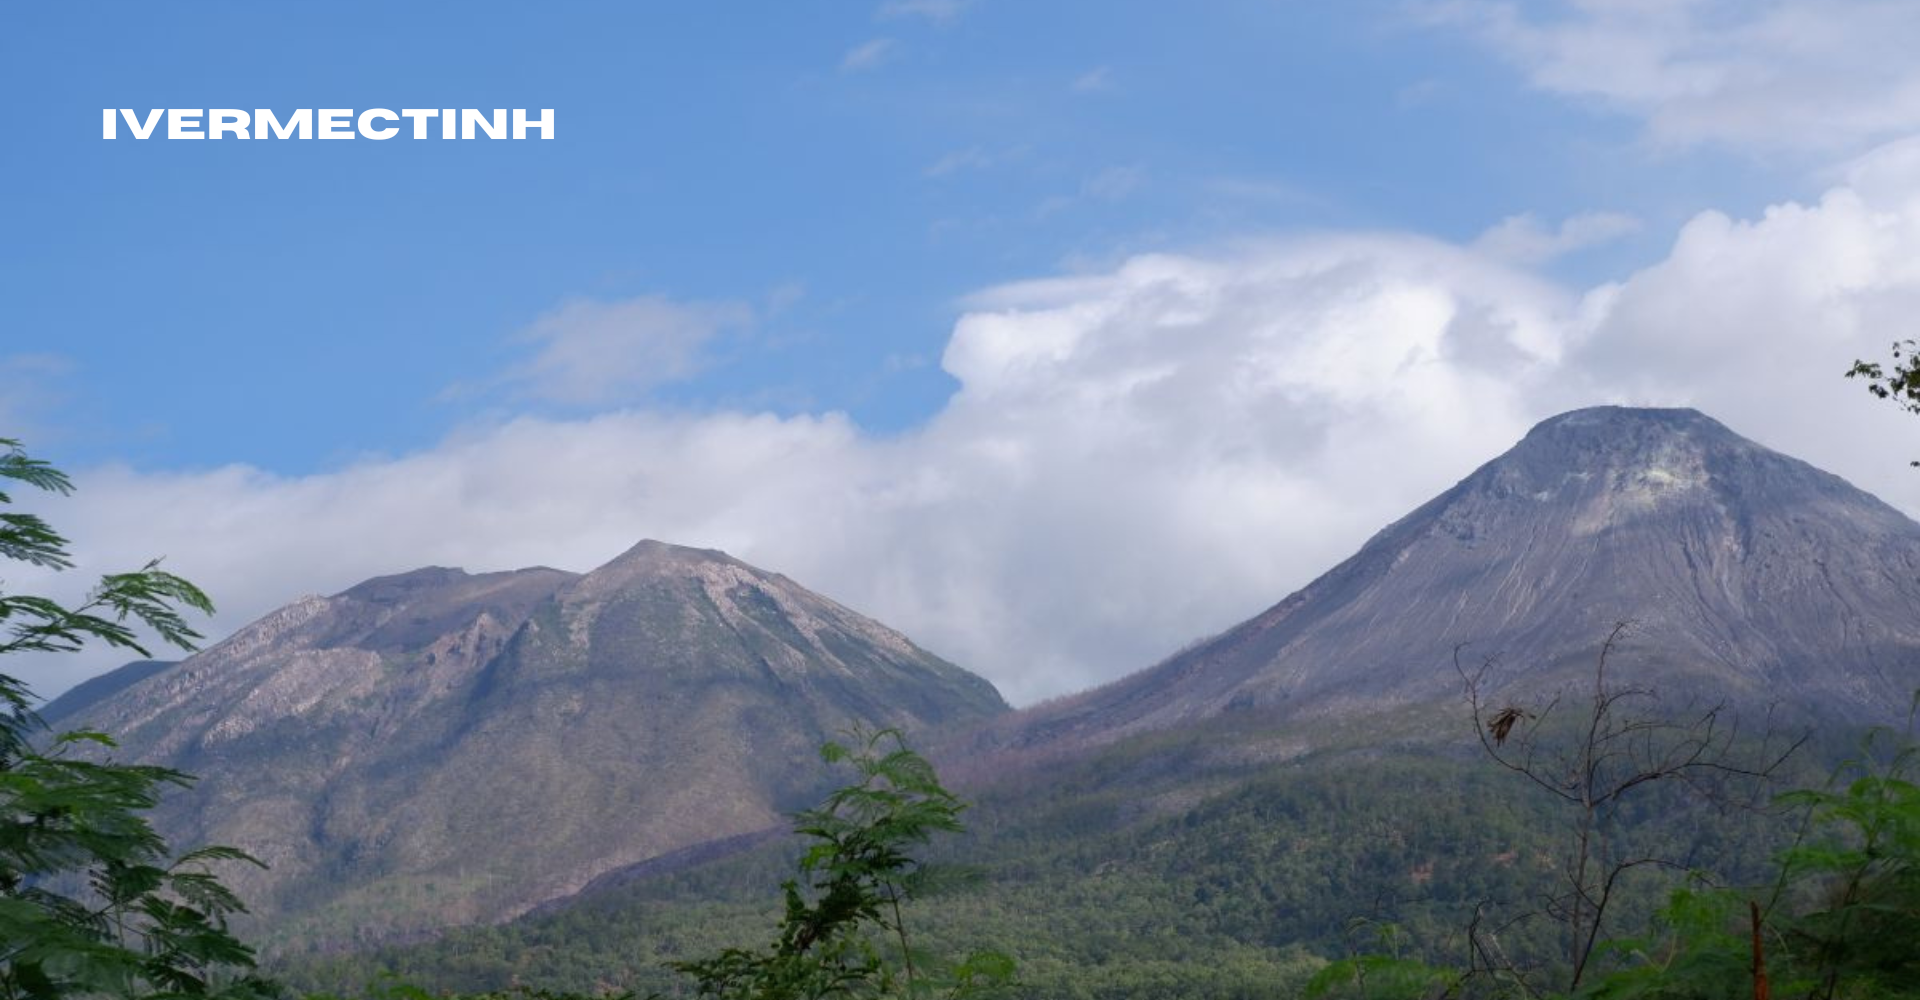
(92, 902)
(1118, 879)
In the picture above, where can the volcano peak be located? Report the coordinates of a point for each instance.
(1752, 577)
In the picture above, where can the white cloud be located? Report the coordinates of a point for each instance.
(1129, 461)
(1755, 320)
(1135, 456)
(868, 55)
(1817, 75)
(593, 352)
(1523, 240)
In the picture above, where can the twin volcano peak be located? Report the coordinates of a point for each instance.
(408, 610)
(382, 748)
(648, 557)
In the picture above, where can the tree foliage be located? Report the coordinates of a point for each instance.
(1841, 919)
(92, 902)
(1900, 385)
(844, 932)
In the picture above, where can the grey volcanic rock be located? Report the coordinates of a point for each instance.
(1749, 576)
(438, 747)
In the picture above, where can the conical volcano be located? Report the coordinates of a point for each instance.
(1747, 577)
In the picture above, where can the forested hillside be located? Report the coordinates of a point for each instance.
(1157, 870)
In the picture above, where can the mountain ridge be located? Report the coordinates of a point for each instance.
(441, 747)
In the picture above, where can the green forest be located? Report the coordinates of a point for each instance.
(1273, 889)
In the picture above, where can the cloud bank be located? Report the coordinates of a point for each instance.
(1134, 458)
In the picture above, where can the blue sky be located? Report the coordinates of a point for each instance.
(893, 281)
(297, 305)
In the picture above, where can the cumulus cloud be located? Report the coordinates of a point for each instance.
(593, 352)
(1754, 320)
(1135, 456)
(1817, 75)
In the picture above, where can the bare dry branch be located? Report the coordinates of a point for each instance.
(1623, 742)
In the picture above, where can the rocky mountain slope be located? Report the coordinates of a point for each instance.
(1748, 576)
(438, 747)
(94, 690)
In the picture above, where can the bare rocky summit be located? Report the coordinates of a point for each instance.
(438, 747)
(1749, 577)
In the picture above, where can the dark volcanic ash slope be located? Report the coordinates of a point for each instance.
(437, 747)
(1749, 576)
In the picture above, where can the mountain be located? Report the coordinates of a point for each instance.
(93, 690)
(1220, 824)
(439, 747)
(1748, 576)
